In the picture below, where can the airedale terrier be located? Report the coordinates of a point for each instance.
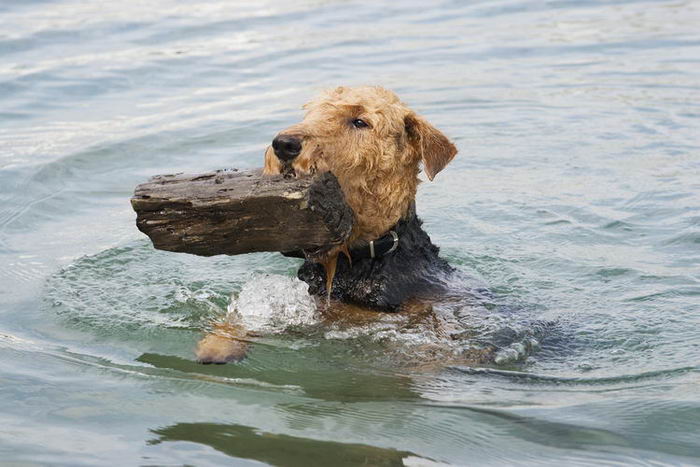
(375, 145)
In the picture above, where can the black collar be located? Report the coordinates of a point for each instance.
(387, 243)
(382, 246)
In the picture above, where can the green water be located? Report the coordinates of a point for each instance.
(575, 198)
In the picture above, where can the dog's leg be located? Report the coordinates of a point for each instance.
(226, 342)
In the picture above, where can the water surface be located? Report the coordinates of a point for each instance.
(574, 198)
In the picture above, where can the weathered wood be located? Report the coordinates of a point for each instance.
(233, 212)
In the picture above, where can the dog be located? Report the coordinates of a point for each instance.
(375, 145)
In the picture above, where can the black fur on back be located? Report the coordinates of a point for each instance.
(414, 269)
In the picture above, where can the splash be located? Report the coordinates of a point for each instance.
(467, 328)
(273, 303)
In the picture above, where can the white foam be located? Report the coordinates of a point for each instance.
(273, 303)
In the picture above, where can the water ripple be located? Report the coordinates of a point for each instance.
(573, 198)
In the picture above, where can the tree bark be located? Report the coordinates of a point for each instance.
(233, 212)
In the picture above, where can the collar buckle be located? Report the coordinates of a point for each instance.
(394, 245)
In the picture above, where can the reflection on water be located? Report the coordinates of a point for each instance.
(281, 450)
(297, 371)
(573, 199)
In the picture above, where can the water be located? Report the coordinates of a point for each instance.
(574, 197)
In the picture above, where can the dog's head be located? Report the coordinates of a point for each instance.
(373, 143)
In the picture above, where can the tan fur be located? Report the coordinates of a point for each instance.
(272, 163)
(226, 342)
(377, 168)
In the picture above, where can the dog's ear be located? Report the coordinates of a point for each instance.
(435, 150)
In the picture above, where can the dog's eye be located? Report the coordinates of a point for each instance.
(357, 123)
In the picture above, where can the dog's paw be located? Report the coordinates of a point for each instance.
(220, 350)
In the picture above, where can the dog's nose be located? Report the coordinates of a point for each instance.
(286, 147)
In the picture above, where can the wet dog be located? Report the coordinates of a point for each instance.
(375, 145)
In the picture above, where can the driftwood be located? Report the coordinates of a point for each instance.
(232, 212)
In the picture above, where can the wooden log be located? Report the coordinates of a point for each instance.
(233, 212)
